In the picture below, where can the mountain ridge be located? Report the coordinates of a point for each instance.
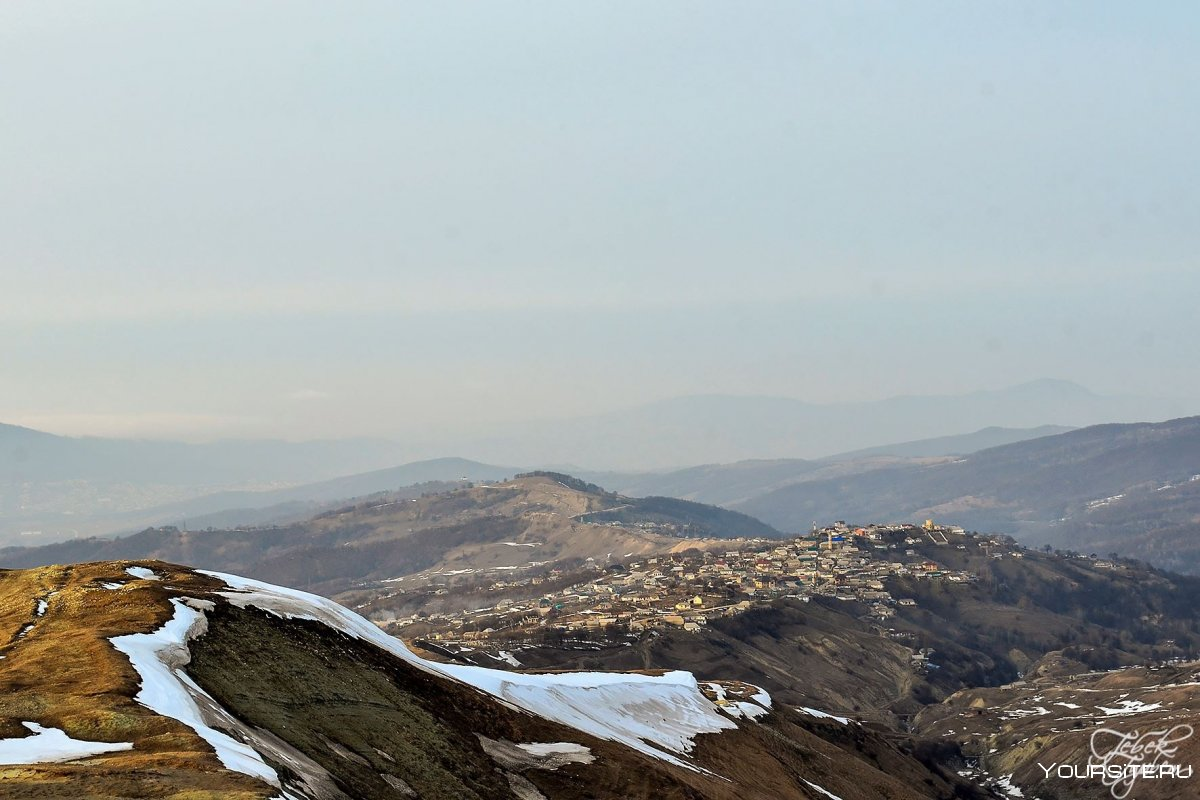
(716, 428)
(1044, 490)
(218, 686)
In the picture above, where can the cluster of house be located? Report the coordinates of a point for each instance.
(686, 590)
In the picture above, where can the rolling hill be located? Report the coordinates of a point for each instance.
(36, 512)
(291, 503)
(538, 518)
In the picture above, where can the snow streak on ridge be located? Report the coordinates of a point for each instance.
(159, 658)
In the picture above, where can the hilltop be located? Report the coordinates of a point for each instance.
(537, 519)
(67, 488)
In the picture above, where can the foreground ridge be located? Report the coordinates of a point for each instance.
(150, 680)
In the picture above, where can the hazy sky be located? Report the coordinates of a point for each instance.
(312, 219)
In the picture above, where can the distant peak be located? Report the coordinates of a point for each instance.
(1052, 385)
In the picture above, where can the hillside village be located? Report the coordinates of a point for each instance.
(688, 589)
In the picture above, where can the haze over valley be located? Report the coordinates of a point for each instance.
(57, 487)
(599, 401)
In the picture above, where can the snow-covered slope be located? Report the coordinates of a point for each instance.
(159, 659)
(659, 715)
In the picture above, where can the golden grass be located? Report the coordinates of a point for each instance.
(64, 673)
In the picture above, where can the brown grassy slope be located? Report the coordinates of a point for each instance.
(63, 673)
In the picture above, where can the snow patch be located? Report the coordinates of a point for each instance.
(822, 789)
(1093, 504)
(1006, 785)
(143, 573)
(1130, 707)
(1016, 713)
(740, 708)
(652, 714)
(52, 745)
(812, 712)
(42, 605)
(158, 659)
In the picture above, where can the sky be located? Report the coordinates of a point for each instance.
(301, 219)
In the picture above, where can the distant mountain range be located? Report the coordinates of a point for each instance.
(55, 487)
(33, 513)
(33, 456)
(713, 484)
(959, 445)
(672, 433)
(58, 486)
(721, 428)
(729, 484)
(1133, 489)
